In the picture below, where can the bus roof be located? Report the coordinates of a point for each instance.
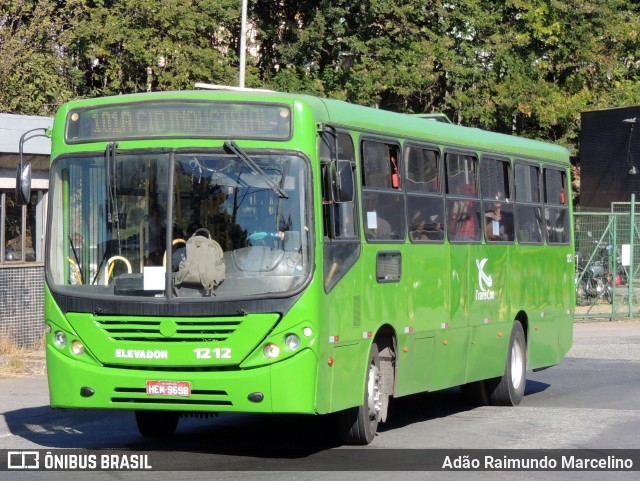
(364, 119)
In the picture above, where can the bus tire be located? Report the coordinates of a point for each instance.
(508, 390)
(154, 424)
(358, 425)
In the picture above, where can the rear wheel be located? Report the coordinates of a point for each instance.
(358, 425)
(508, 390)
(155, 424)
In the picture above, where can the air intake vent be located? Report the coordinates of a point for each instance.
(388, 266)
(167, 330)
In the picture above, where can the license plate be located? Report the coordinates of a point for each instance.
(168, 388)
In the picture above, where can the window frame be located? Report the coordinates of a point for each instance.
(412, 195)
(505, 200)
(561, 206)
(369, 193)
(452, 197)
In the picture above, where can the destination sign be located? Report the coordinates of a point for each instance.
(172, 119)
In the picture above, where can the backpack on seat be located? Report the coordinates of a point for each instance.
(204, 262)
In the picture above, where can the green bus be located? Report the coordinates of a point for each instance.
(235, 250)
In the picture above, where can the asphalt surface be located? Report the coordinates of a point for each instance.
(588, 402)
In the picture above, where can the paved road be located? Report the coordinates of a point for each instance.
(589, 401)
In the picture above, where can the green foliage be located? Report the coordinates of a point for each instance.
(34, 75)
(527, 67)
(124, 46)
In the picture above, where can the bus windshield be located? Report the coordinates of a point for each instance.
(121, 223)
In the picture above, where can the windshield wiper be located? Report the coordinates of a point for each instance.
(233, 147)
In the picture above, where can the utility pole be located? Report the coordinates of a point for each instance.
(243, 42)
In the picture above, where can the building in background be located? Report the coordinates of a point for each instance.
(22, 231)
(609, 157)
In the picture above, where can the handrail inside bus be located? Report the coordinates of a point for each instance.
(76, 270)
(111, 263)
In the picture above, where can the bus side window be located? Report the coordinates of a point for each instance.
(529, 226)
(556, 210)
(463, 205)
(382, 201)
(381, 165)
(425, 208)
(497, 205)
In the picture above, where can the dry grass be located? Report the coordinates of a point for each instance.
(15, 361)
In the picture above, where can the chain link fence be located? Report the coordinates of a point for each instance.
(607, 262)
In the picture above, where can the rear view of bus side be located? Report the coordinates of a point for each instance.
(241, 251)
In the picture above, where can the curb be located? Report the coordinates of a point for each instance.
(21, 364)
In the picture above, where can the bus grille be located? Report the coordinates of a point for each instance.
(199, 397)
(168, 330)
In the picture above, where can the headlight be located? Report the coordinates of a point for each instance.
(271, 351)
(292, 341)
(60, 339)
(77, 348)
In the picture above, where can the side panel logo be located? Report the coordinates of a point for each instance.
(485, 282)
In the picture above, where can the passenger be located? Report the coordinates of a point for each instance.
(464, 225)
(494, 229)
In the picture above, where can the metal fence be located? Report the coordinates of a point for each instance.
(607, 262)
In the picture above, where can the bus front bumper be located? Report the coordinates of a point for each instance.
(287, 386)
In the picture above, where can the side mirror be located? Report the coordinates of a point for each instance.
(343, 185)
(23, 184)
(23, 173)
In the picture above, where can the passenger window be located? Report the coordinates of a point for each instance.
(380, 165)
(425, 206)
(422, 169)
(497, 205)
(426, 218)
(556, 210)
(383, 216)
(529, 226)
(383, 209)
(527, 180)
(463, 205)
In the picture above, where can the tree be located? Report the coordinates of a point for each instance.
(125, 46)
(34, 72)
(527, 67)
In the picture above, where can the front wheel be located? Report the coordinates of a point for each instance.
(155, 424)
(358, 425)
(508, 390)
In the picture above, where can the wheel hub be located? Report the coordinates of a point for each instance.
(374, 403)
